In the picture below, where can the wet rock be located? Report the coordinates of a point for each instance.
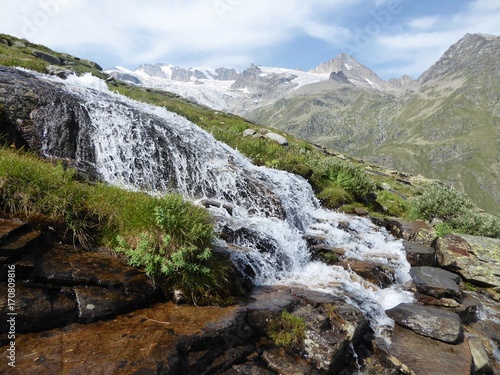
(433, 301)
(423, 356)
(284, 364)
(39, 308)
(96, 303)
(267, 304)
(419, 255)
(326, 253)
(476, 259)
(436, 282)
(332, 326)
(248, 369)
(480, 358)
(380, 275)
(64, 265)
(428, 321)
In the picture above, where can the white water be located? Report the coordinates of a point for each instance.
(147, 147)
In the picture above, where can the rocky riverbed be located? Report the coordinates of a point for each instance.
(81, 312)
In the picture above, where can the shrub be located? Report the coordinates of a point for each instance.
(334, 196)
(455, 211)
(350, 177)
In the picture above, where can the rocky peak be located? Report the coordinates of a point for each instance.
(354, 71)
(472, 53)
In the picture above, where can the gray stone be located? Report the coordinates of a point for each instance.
(51, 59)
(282, 141)
(419, 255)
(476, 259)
(428, 321)
(249, 132)
(436, 282)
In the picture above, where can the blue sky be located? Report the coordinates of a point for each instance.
(392, 37)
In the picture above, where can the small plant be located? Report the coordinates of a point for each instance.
(288, 330)
(470, 287)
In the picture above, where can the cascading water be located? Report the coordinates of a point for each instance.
(139, 146)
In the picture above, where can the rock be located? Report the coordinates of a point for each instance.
(428, 321)
(436, 282)
(433, 301)
(415, 231)
(51, 59)
(479, 356)
(5, 42)
(39, 308)
(284, 364)
(59, 71)
(249, 133)
(419, 255)
(332, 326)
(282, 141)
(91, 64)
(476, 259)
(100, 303)
(380, 275)
(424, 356)
(361, 211)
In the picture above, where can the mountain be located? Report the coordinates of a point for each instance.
(445, 125)
(257, 86)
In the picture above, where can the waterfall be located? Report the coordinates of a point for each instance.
(139, 146)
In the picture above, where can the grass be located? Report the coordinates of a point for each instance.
(288, 330)
(132, 222)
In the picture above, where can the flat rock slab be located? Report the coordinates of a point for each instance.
(476, 259)
(65, 266)
(142, 342)
(428, 321)
(436, 282)
(425, 356)
(419, 255)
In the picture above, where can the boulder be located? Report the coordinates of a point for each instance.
(279, 361)
(419, 255)
(436, 282)
(476, 259)
(428, 321)
(282, 141)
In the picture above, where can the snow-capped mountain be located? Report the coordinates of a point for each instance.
(226, 89)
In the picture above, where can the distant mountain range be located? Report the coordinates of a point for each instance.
(445, 124)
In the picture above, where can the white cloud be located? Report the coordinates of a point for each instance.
(153, 30)
(426, 38)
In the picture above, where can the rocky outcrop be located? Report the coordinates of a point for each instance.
(56, 286)
(476, 259)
